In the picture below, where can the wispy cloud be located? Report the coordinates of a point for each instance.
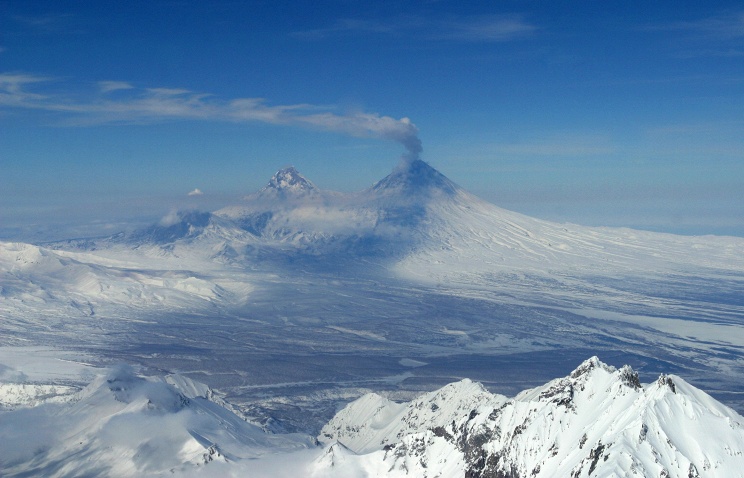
(45, 24)
(725, 26)
(132, 105)
(714, 36)
(348, 25)
(492, 28)
(729, 25)
(480, 28)
(196, 192)
(108, 86)
(13, 89)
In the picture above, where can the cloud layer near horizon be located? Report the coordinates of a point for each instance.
(117, 102)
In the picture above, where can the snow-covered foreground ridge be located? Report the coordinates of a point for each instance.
(122, 424)
(598, 421)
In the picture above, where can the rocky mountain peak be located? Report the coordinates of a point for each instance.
(288, 181)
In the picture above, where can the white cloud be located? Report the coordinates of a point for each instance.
(474, 28)
(196, 192)
(13, 83)
(153, 105)
(170, 219)
(108, 86)
(489, 29)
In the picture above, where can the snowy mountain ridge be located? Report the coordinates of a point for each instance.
(598, 421)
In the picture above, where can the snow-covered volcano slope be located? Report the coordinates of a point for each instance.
(456, 231)
(598, 421)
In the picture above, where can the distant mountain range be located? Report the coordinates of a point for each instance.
(417, 216)
(414, 224)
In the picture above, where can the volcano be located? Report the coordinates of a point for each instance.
(415, 178)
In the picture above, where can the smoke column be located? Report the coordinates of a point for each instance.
(410, 140)
(367, 125)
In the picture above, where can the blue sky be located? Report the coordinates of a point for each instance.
(600, 113)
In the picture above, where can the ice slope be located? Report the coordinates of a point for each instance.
(425, 229)
(598, 421)
(126, 425)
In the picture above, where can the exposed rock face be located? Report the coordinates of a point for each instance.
(288, 182)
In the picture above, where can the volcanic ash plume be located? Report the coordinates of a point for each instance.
(156, 105)
(369, 125)
(410, 140)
